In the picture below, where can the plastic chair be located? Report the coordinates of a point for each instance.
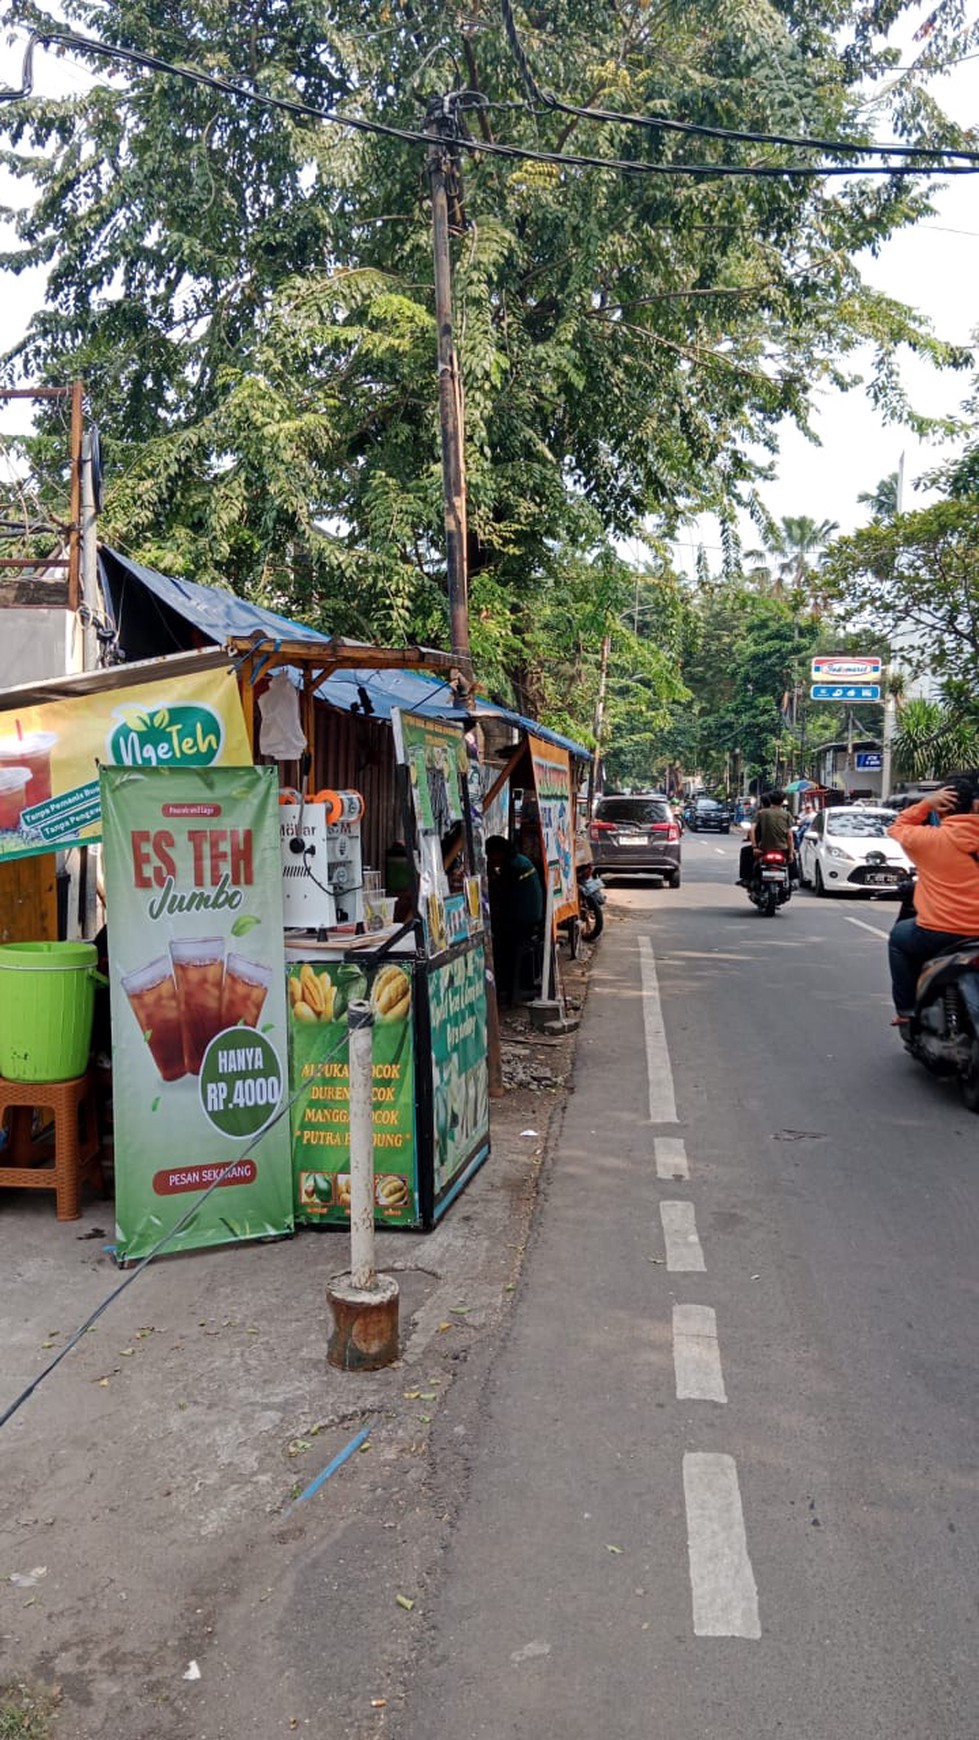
(68, 1162)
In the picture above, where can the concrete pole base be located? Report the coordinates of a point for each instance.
(365, 1323)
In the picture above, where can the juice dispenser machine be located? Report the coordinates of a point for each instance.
(322, 866)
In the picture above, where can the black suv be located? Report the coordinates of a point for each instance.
(639, 832)
(707, 814)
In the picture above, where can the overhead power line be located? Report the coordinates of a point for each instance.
(243, 91)
(659, 123)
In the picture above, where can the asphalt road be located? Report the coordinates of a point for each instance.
(725, 1479)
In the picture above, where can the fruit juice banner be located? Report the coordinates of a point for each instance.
(457, 1006)
(193, 886)
(50, 754)
(552, 777)
(319, 1062)
(437, 760)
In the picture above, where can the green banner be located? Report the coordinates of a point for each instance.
(457, 1000)
(319, 993)
(193, 893)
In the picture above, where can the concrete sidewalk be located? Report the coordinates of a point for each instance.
(149, 1485)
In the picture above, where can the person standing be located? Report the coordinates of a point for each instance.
(516, 907)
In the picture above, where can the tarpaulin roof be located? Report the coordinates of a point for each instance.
(431, 695)
(210, 610)
(185, 613)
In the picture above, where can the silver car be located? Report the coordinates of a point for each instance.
(636, 833)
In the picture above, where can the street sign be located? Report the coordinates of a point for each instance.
(870, 760)
(845, 692)
(845, 668)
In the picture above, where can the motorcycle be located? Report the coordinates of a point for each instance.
(771, 885)
(943, 1032)
(590, 921)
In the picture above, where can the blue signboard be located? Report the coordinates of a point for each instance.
(845, 692)
(871, 760)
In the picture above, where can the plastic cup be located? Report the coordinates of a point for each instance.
(34, 753)
(153, 1000)
(198, 968)
(13, 788)
(246, 986)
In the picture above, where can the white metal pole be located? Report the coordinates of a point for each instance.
(90, 559)
(360, 1027)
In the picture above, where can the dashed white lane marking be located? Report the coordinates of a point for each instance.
(683, 1252)
(671, 1157)
(662, 1100)
(720, 851)
(873, 928)
(725, 1597)
(696, 1355)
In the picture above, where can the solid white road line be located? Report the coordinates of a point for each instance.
(683, 1252)
(725, 1598)
(662, 1101)
(871, 927)
(671, 1157)
(696, 1355)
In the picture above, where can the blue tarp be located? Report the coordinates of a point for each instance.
(212, 611)
(221, 616)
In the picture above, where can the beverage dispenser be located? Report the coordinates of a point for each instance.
(322, 866)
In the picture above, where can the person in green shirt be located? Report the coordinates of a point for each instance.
(773, 828)
(516, 907)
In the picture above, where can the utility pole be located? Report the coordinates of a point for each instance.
(594, 772)
(443, 175)
(90, 554)
(445, 183)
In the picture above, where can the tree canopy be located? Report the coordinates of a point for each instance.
(246, 290)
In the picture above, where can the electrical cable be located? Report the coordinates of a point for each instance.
(484, 148)
(702, 131)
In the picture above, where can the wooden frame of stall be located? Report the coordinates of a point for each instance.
(28, 886)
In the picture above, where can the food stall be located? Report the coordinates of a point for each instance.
(425, 980)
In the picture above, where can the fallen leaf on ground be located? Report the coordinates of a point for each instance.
(609, 1549)
(405, 1601)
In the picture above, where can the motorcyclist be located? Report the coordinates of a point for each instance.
(773, 829)
(947, 891)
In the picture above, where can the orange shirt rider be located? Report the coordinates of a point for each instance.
(947, 893)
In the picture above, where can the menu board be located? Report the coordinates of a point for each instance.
(440, 779)
(319, 993)
(552, 777)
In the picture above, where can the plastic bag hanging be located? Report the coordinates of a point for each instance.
(281, 734)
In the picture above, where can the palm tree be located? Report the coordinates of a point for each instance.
(934, 740)
(882, 501)
(798, 541)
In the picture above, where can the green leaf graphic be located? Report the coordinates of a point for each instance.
(245, 922)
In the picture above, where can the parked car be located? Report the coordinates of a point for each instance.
(708, 814)
(848, 851)
(636, 833)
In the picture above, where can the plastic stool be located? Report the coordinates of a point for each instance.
(76, 1140)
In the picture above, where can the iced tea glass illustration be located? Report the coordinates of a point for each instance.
(32, 751)
(246, 986)
(198, 967)
(13, 786)
(153, 1000)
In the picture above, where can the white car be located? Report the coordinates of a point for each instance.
(848, 851)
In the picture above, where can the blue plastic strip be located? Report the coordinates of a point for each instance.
(338, 1462)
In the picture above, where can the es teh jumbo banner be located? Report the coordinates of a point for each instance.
(198, 998)
(50, 754)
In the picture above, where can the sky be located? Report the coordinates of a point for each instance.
(934, 268)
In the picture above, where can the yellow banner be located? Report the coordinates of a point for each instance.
(50, 754)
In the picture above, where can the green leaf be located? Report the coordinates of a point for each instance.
(405, 1602)
(244, 922)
